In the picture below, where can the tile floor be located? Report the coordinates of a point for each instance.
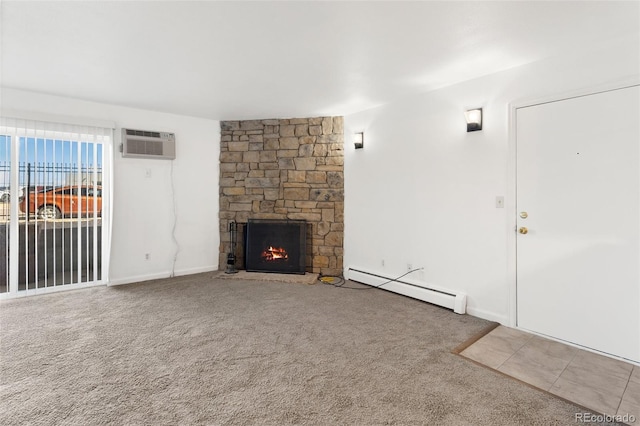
(602, 384)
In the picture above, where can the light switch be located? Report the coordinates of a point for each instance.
(499, 202)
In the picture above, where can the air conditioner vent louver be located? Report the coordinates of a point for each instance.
(147, 144)
(145, 148)
(132, 132)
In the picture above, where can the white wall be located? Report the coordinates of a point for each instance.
(143, 207)
(423, 190)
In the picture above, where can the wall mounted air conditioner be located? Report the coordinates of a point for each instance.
(146, 144)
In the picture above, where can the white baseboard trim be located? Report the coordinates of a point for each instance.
(139, 278)
(161, 275)
(487, 315)
(192, 271)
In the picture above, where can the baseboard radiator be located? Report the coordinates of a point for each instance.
(455, 301)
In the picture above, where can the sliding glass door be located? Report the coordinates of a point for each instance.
(55, 213)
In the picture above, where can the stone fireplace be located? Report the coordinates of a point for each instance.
(285, 169)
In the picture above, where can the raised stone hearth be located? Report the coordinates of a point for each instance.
(308, 278)
(285, 169)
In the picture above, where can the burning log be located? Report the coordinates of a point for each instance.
(275, 253)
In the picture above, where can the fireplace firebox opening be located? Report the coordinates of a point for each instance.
(274, 245)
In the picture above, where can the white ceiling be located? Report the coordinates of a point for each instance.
(268, 59)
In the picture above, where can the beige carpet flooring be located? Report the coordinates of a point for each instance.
(206, 350)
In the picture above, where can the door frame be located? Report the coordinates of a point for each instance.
(512, 174)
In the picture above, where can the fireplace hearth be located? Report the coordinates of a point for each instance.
(275, 246)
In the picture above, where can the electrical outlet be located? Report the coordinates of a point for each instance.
(409, 267)
(147, 256)
(382, 262)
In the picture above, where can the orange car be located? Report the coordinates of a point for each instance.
(64, 201)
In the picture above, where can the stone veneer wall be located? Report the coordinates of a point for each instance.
(285, 169)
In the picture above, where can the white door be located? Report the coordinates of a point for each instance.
(578, 196)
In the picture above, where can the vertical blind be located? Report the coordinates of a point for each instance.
(55, 205)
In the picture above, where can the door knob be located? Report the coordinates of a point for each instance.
(524, 215)
(523, 230)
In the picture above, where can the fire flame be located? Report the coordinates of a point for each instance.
(275, 253)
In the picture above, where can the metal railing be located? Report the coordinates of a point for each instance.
(38, 177)
(52, 251)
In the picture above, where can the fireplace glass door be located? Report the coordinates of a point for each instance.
(276, 246)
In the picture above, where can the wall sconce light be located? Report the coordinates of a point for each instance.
(474, 119)
(358, 140)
